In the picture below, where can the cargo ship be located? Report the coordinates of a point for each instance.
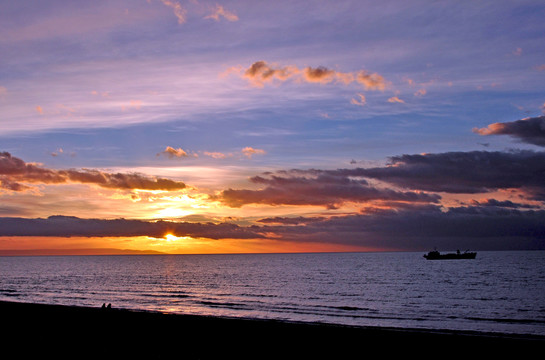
(436, 255)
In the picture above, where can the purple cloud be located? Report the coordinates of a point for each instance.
(424, 227)
(464, 172)
(73, 226)
(530, 130)
(324, 189)
(14, 172)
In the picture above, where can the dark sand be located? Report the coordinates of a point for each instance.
(33, 330)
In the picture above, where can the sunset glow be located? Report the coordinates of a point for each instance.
(234, 127)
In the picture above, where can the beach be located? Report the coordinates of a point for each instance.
(69, 331)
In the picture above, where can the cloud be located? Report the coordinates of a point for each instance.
(540, 67)
(502, 204)
(15, 174)
(371, 81)
(318, 188)
(249, 151)
(320, 74)
(175, 153)
(74, 226)
(299, 220)
(179, 11)
(395, 99)
(422, 228)
(219, 11)
(416, 227)
(261, 72)
(179, 153)
(420, 92)
(39, 110)
(530, 130)
(360, 102)
(215, 155)
(324, 75)
(464, 172)
(3, 91)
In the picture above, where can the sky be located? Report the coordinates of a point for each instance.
(172, 126)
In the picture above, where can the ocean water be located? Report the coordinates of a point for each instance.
(497, 292)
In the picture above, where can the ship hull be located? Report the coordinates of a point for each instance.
(437, 256)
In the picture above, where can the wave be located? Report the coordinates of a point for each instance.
(508, 321)
(9, 292)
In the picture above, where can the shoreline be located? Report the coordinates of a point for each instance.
(56, 329)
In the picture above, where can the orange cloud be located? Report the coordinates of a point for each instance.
(495, 128)
(39, 110)
(179, 11)
(219, 11)
(215, 155)
(178, 153)
(249, 151)
(261, 72)
(360, 102)
(371, 81)
(395, 99)
(320, 74)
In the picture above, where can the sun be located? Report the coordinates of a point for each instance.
(170, 237)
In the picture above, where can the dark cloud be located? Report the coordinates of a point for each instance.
(503, 203)
(415, 228)
(324, 189)
(531, 130)
(65, 226)
(421, 228)
(299, 220)
(463, 172)
(14, 172)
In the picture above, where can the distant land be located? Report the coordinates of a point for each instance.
(98, 251)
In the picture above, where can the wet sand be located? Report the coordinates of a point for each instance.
(76, 332)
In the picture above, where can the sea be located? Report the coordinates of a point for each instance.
(499, 291)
